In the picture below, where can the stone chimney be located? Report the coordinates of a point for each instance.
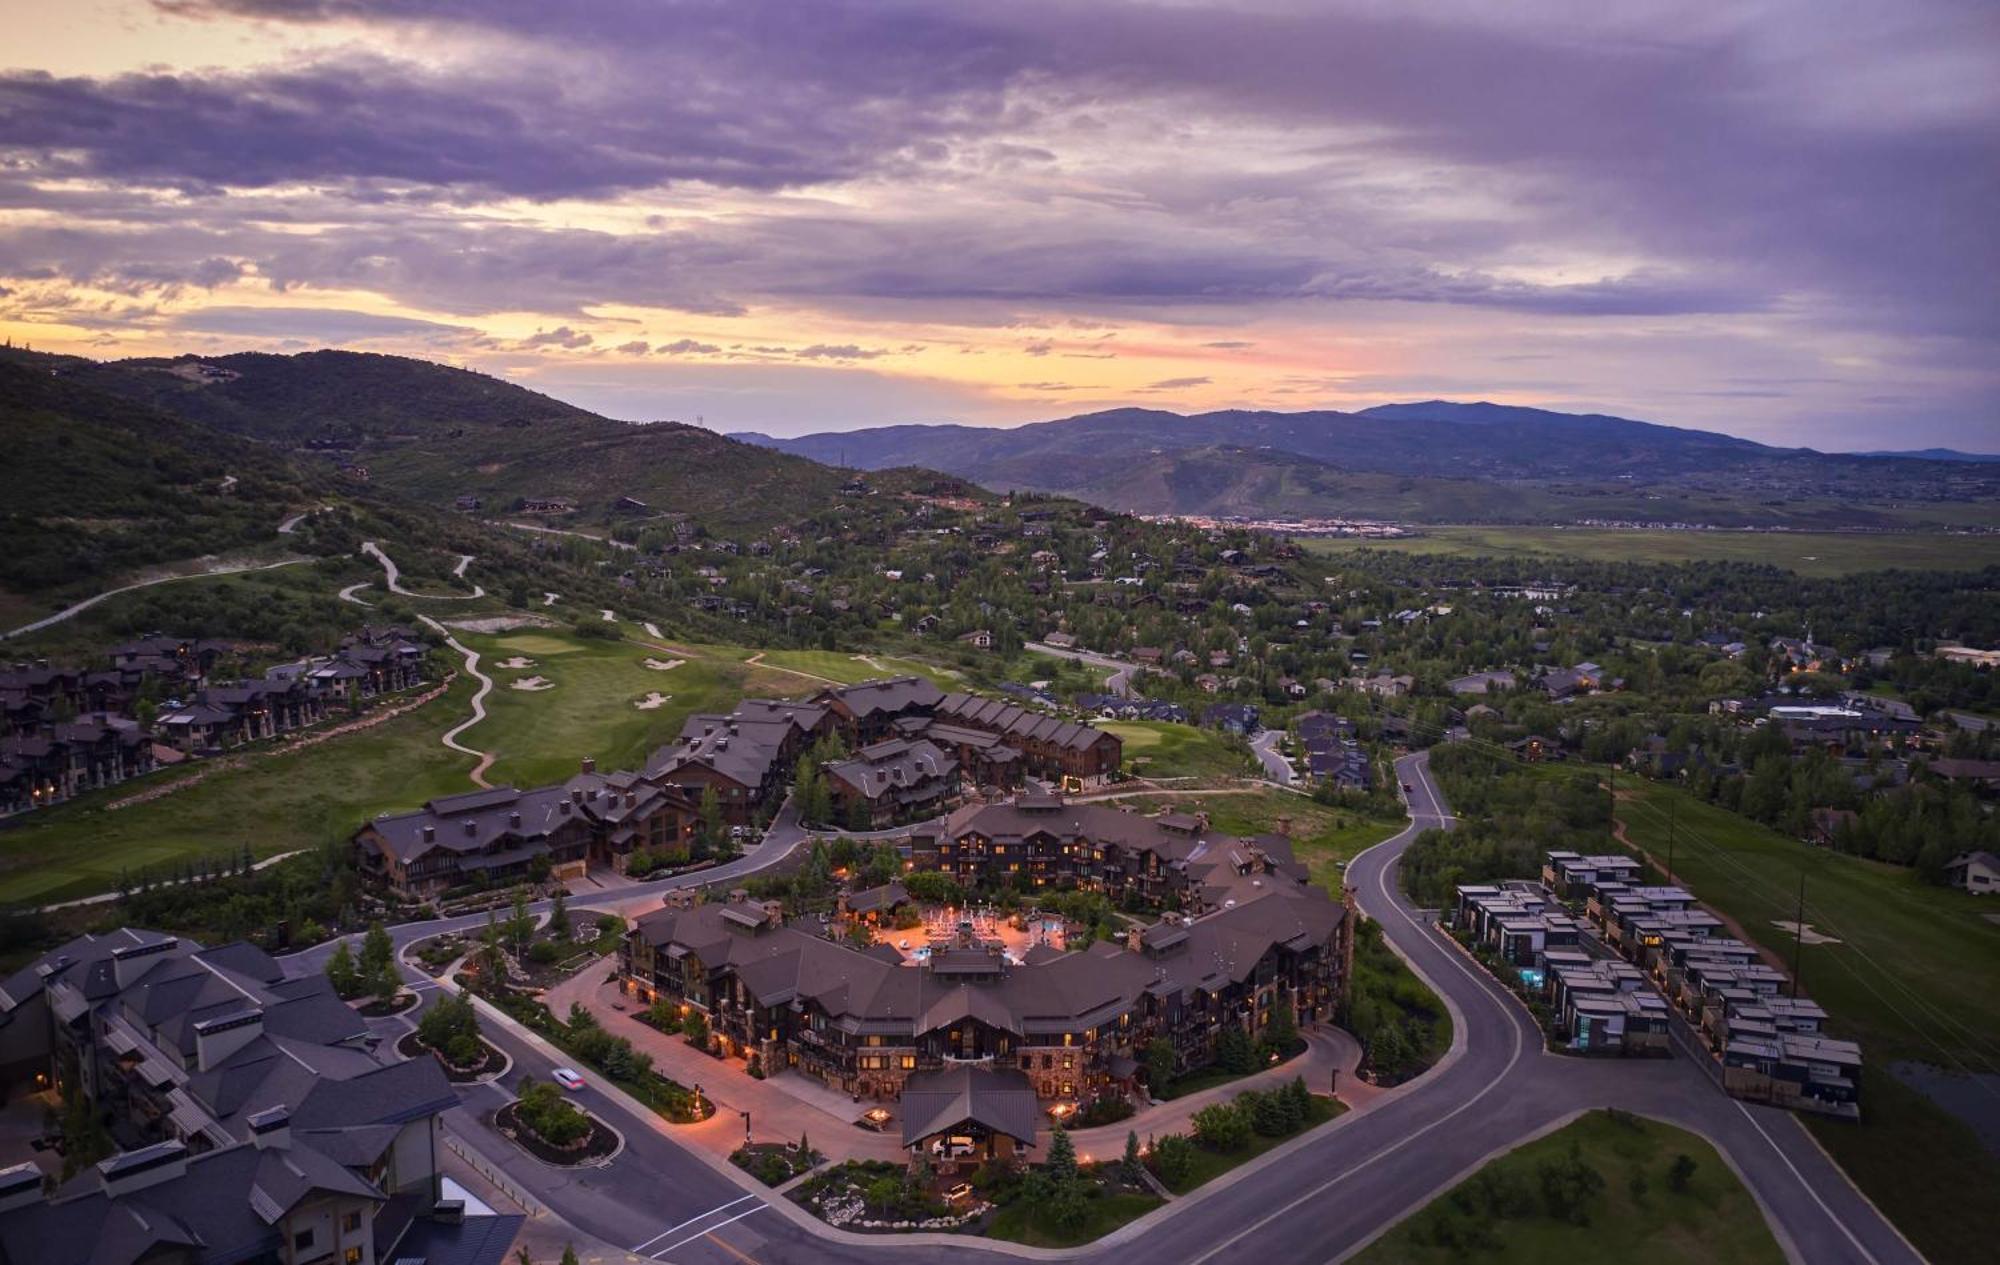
(430, 834)
(590, 764)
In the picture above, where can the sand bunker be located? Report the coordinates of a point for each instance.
(516, 663)
(534, 683)
(1804, 931)
(609, 618)
(651, 701)
(549, 599)
(664, 665)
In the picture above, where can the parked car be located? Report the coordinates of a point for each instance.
(567, 1078)
(1408, 789)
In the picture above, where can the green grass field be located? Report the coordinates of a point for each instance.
(1808, 553)
(1714, 1221)
(539, 736)
(1915, 975)
(1157, 748)
(845, 668)
(278, 803)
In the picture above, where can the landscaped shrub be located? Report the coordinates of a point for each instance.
(544, 1112)
(1172, 1158)
(1222, 1126)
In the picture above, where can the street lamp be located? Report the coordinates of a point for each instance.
(746, 1127)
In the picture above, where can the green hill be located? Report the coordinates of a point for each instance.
(95, 485)
(437, 433)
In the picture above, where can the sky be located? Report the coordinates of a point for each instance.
(1780, 220)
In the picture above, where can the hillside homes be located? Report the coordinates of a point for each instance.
(255, 1122)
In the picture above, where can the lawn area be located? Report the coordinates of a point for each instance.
(1915, 976)
(278, 803)
(1808, 553)
(847, 668)
(1017, 1224)
(1159, 748)
(1498, 1214)
(539, 736)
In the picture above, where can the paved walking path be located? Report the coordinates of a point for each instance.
(395, 581)
(450, 739)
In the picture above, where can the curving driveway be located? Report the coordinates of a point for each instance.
(1316, 1199)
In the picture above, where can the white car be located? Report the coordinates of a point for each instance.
(567, 1078)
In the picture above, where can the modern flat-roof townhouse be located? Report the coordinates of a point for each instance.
(259, 1125)
(1772, 1047)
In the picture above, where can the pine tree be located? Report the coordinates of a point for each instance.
(559, 914)
(1061, 1166)
(1131, 1159)
(341, 972)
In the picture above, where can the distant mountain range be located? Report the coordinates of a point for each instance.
(1437, 461)
(1935, 454)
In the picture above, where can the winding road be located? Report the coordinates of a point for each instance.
(1319, 1198)
(1120, 680)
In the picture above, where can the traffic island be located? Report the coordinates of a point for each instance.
(465, 1069)
(555, 1131)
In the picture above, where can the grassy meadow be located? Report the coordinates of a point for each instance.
(1157, 748)
(1808, 553)
(1915, 975)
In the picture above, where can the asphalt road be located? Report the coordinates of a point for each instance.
(1276, 766)
(1318, 1199)
(1120, 680)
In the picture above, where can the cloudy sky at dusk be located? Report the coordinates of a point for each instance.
(1776, 219)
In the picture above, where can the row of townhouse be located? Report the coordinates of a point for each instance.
(1058, 1027)
(1772, 1047)
(1596, 1005)
(254, 1119)
(292, 696)
(50, 751)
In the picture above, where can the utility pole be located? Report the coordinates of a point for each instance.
(1673, 808)
(1799, 933)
